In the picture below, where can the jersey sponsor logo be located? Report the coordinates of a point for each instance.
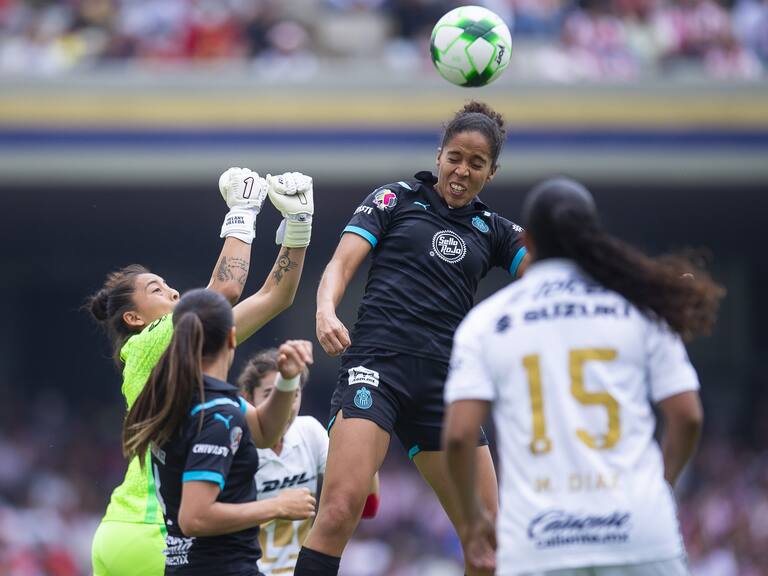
(425, 206)
(286, 482)
(559, 528)
(385, 199)
(211, 449)
(480, 224)
(234, 438)
(363, 399)
(517, 228)
(448, 246)
(177, 550)
(503, 324)
(367, 209)
(363, 375)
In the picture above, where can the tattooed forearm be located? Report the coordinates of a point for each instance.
(232, 269)
(284, 265)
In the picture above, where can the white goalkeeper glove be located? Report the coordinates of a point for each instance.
(291, 194)
(244, 192)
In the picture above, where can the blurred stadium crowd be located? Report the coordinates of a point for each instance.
(46, 523)
(561, 40)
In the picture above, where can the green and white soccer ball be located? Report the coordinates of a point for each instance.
(471, 46)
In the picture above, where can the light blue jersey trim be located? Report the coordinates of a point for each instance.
(205, 476)
(405, 185)
(413, 451)
(217, 402)
(516, 261)
(330, 424)
(362, 232)
(243, 405)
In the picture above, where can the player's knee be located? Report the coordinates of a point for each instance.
(340, 512)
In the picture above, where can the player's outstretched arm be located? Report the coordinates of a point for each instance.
(268, 420)
(683, 419)
(244, 192)
(201, 515)
(460, 436)
(291, 193)
(331, 332)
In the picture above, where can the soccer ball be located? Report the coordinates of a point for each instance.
(470, 46)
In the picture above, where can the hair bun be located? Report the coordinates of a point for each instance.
(98, 305)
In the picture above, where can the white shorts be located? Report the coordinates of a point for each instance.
(673, 567)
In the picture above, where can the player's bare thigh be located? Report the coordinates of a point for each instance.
(433, 468)
(356, 451)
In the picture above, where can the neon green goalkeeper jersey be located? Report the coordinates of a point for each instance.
(134, 500)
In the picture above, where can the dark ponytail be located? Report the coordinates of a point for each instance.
(202, 322)
(562, 221)
(112, 301)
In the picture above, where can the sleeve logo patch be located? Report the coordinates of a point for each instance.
(385, 199)
(234, 438)
(363, 375)
(480, 224)
(210, 449)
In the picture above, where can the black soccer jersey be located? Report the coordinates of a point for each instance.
(427, 260)
(221, 452)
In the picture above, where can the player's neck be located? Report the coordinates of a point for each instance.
(218, 368)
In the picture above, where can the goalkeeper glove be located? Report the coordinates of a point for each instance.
(291, 194)
(244, 192)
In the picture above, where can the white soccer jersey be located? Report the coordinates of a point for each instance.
(302, 459)
(571, 370)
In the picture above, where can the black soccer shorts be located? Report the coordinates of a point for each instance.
(401, 393)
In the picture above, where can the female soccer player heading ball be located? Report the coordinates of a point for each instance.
(135, 307)
(432, 241)
(572, 357)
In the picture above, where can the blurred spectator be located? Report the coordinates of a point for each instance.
(564, 40)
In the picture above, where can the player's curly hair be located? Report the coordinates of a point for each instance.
(114, 299)
(478, 117)
(259, 365)
(561, 218)
(202, 322)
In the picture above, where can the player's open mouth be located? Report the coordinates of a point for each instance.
(457, 189)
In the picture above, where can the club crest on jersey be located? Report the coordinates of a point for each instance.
(448, 246)
(480, 224)
(385, 199)
(363, 399)
(363, 375)
(234, 438)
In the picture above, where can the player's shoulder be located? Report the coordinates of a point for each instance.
(156, 333)
(500, 223)
(309, 426)
(492, 308)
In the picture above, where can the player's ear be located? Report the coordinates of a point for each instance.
(437, 160)
(492, 174)
(133, 319)
(232, 338)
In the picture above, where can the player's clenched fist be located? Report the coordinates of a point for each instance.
(331, 333)
(244, 192)
(291, 194)
(293, 357)
(295, 504)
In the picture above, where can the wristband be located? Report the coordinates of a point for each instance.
(287, 385)
(239, 223)
(295, 231)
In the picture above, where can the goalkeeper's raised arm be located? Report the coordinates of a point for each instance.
(291, 194)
